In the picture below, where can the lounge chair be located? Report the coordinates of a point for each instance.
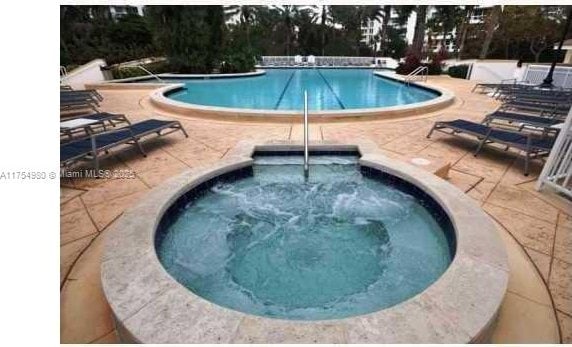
(78, 97)
(548, 108)
(531, 144)
(88, 92)
(91, 148)
(524, 119)
(101, 120)
(494, 86)
(70, 105)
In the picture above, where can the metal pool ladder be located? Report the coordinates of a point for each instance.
(420, 70)
(306, 154)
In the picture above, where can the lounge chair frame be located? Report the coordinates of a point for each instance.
(94, 154)
(531, 150)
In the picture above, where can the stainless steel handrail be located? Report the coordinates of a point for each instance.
(423, 70)
(144, 69)
(306, 153)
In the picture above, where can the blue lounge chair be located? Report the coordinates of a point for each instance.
(524, 119)
(101, 121)
(91, 148)
(531, 144)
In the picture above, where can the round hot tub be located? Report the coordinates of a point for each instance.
(341, 242)
(365, 249)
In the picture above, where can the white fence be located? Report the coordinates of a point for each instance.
(85, 74)
(492, 71)
(328, 61)
(558, 168)
(562, 75)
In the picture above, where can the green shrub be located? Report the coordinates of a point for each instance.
(237, 62)
(458, 71)
(412, 62)
(158, 67)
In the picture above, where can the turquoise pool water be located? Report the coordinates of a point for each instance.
(340, 244)
(282, 89)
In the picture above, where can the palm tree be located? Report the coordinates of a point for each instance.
(246, 15)
(419, 33)
(446, 16)
(325, 18)
(386, 16)
(287, 14)
(463, 29)
(491, 23)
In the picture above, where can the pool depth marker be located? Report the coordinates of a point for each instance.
(332, 90)
(284, 90)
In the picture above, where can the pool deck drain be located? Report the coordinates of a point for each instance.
(540, 223)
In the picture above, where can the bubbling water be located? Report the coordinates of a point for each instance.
(337, 245)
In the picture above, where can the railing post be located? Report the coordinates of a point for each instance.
(306, 154)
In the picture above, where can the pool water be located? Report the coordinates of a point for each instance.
(273, 244)
(283, 89)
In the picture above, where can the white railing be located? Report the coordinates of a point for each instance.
(562, 76)
(63, 71)
(422, 71)
(558, 168)
(317, 60)
(306, 151)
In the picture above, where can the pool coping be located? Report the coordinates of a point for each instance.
(163, 103)
(150, 306)
(120, 83)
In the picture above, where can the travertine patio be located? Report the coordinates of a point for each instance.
(537, 227)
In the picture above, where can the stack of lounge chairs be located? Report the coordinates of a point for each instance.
(90, 136)
(528, 120)
(71, 100)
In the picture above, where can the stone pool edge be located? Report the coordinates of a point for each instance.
(165, 104)
(150, 306)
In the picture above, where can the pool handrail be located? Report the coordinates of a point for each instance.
(306, 154)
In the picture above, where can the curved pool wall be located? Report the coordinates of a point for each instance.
(346, 241)
(283, 90)
(151, 306)
(346, 101)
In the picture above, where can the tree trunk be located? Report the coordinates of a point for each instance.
(386, 18)
(323, 28)
(536, 52)
(419, 34)
(464, 30)
(507, 50)
(491, 23)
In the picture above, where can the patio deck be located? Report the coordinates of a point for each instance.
(536, 227)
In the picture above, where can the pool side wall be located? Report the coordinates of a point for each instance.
(163, 103)
(150, 306)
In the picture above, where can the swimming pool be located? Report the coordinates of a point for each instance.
(282, 90)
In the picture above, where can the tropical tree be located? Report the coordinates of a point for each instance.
(287, 14)
(351, 18)
(491, 24)
(325, 19)
(530, 26)
(464, 26)
(419, 33)
(385, 17)
(404, 12)
(191, 36)
(246, 15)
(447, 17)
